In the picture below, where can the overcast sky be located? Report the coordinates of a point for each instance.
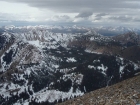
(84, 12)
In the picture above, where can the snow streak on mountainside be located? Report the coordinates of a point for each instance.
(41, 64)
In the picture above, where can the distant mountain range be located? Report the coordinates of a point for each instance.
(106, 31)
(111, 31)
(50, 64)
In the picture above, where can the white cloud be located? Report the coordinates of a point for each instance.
(22, 12)
(74, 11)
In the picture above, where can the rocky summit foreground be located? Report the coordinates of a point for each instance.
(126, 92)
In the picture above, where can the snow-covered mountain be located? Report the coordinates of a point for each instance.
(43, 64)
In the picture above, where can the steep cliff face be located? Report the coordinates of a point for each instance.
(41, 65)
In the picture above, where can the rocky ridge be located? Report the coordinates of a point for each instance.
(126, 92)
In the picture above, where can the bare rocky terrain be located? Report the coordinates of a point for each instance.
(126, 92)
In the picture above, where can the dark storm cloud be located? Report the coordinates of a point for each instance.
(84, 14)
(101, 14)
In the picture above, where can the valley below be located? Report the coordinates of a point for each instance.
(46, 65)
